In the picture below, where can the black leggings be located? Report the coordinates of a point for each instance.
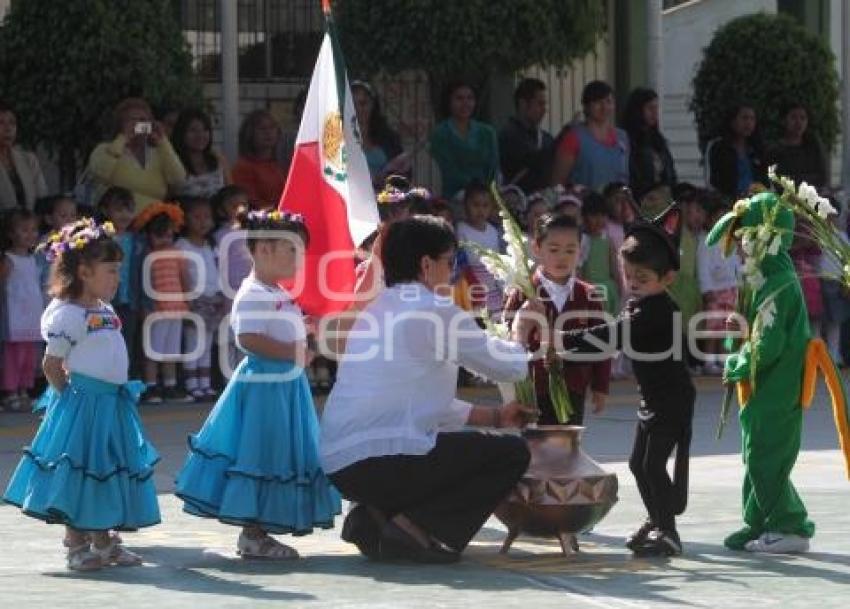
(653, 446)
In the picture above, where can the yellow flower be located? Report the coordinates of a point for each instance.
(109, 228)
(78, 244)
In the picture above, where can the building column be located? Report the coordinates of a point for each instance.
(230, 77)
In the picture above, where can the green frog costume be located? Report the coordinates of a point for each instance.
(775, 371)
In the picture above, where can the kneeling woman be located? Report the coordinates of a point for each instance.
(391, 429)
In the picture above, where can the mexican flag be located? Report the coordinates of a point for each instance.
(329, 184)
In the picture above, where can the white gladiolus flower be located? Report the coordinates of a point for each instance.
(747, 244)
(825, 208)
(755, 279)
(809, 194)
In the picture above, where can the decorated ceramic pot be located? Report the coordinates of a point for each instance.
(563, 493)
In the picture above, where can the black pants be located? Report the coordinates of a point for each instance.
(449, 492)
(547, 412)
(654, 443)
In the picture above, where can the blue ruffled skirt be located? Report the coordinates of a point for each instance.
(90, 465)
(255, 462)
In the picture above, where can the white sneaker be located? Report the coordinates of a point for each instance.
(778, 543)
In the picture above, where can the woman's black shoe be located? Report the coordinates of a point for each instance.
(363, 530)
(398, 545)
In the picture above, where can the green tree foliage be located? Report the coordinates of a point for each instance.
(466, 38)
(767, 61)
(64, 65)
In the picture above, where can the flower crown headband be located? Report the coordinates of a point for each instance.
(274, 216)
(173, 211)
(391, 195)
(75, 236)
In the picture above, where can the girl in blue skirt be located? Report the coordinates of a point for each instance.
(255, 461)
(89, 466)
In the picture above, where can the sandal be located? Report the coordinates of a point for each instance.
(81, 558)
(265, 547)
(116, 554)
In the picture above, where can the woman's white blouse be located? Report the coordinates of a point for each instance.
(396, 383)
(89, 340)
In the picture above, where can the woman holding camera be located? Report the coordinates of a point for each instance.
(139, 158)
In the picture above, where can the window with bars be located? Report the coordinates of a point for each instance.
(278, 39)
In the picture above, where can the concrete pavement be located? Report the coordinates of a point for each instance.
(191, 562)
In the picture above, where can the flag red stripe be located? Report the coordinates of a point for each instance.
(325, 214)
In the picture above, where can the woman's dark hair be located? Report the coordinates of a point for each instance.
(640, 134)
(449, 90)
(222, 196)
(378, 127)
(6, 107)
(257, 221)
(178, 137)
(64, 282)
(594, 91)
(408, 241)
(549, 222)
(647, 249)
(246, 131)
(730, 116)
(808, 134)
(8, 220)
(115, 195)
(594, 205)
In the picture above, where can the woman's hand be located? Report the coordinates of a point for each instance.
(514, 414)
(157, 135)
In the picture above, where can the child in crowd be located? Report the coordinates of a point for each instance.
(89, 466)
(600, 267)
(163, 275)
(618, 197)
(116, 205)
(254, 463)
(556, 247)
(647, 328)
(836, 299)
(202, 278)
(685, 290)
(718, 281)
(234, 258)
(56, 211)
(23, 306)
(478, 203)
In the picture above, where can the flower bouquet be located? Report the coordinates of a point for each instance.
(515, 269)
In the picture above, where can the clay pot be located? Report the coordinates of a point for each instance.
(563, 493)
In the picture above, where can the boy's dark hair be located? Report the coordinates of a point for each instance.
(439, 206)
(115, 195)
(614, 188)
(257, 221)
(549, 222)
(408, 241)
(646, 249)
(64, 282)
(527, 89)
(711, 200)
(8, 220)
(594, 205)
(159, 225)
(685, 192)
(473, 188)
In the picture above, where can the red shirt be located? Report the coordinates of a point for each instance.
(263, 180)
